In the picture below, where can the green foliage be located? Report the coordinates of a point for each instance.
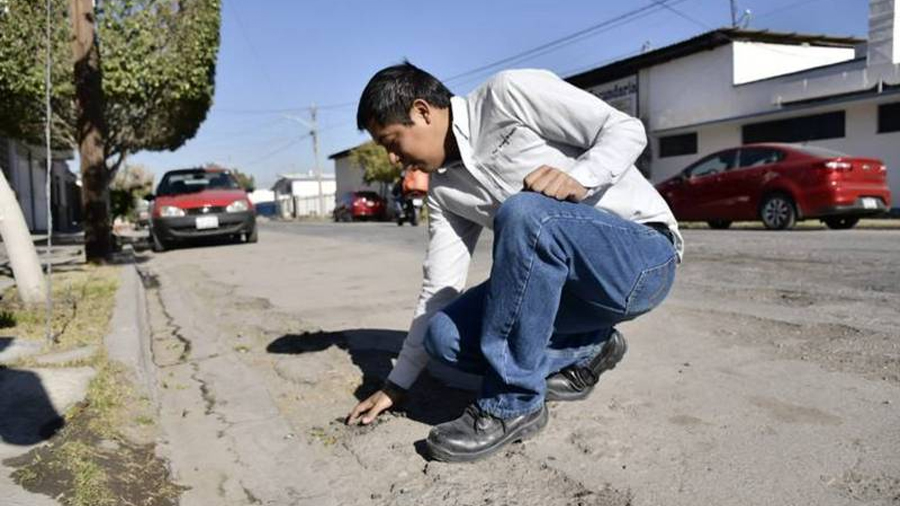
(158, 62)
(246, 181)
(373, 160)
(129, 185)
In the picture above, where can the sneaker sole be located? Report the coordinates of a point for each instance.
(523, 433)
(552, 396)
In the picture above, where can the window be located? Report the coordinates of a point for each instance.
(714, 164)
(756, 157)
(677, 145)
(805, 128)
(889, 118)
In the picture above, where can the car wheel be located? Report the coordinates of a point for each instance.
(841, 222)
(719, 224)
(253, 236)
(777, 212)
(157, 244)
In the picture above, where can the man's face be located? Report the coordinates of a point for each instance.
(419, 146)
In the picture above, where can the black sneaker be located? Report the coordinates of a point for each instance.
(477, 434)
(576, 382)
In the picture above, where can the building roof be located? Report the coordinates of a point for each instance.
(703, 42)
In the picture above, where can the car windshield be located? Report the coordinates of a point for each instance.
(196, 181)
(819, 152)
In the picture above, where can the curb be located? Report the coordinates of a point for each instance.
(128, 339)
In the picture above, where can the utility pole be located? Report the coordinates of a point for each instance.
(734, 19)
(314, 133)
(315, 138)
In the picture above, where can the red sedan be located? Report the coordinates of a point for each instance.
(360, 205)
(198, 203)
(778, 184)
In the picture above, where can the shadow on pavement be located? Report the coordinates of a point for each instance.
(5, 342)
(372, 350)
(26, 415)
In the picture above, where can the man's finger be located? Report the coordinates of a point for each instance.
(534, 176)
(373, 413)
(360, 408)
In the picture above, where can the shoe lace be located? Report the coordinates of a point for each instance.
(480, 418)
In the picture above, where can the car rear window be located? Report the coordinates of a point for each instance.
(368, 195)
(819, 152)
(196, 181)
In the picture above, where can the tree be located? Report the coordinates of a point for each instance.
(130, 184)
(373, 159)
(155, 64)
(17, 240)
(246, 181)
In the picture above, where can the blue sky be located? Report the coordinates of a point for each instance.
(277, 57)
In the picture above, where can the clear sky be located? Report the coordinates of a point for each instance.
(277, 57)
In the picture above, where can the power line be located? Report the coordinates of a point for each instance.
(785, 8)
(595, 29)
(683, 15)
(280, 149)
(283, 110)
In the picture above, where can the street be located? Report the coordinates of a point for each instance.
(771, 375)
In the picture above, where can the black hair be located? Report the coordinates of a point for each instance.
(391, 92)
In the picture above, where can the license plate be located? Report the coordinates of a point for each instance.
(417, 202)
(870, 203)
(205, 222)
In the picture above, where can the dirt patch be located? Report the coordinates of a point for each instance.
(79, 467)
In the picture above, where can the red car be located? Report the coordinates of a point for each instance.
(361, 205)
(198, 203)
(778, 184)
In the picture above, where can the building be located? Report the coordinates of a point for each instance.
(349, 176)
(25, 168)
(729, 87)
(297, 195)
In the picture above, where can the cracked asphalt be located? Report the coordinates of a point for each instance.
(771, 375)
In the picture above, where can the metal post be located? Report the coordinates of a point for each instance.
(315, 139)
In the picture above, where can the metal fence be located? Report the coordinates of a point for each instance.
(305, 206)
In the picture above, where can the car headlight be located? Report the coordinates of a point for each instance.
(171, 211)
(237, 206)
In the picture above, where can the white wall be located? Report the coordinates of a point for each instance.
(349, 178)
(756, 60)
(304, 188)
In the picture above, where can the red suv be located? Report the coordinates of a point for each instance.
(361, 205)
(778, 184)
(195, 203)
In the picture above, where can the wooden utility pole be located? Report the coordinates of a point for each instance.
(91, 133)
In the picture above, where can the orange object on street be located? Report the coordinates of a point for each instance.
(415, 181)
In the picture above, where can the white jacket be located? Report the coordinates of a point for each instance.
(505, 129)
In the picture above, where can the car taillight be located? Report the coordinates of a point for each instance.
(838, 165)
(882, 169)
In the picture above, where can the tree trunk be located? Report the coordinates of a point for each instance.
(22, 256)
(91, 133)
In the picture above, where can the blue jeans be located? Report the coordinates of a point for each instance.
(563, 275)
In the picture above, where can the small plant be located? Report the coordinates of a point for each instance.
(7, 319)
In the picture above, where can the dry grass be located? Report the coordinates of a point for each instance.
(83, 301)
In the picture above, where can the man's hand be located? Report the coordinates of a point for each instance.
(555, 183)
(366, 411)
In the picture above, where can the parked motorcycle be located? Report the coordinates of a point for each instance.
(410, 208)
